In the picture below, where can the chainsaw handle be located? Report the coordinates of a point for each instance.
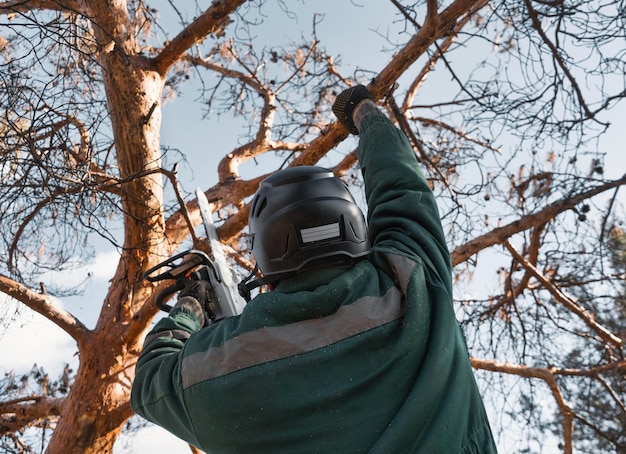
(178, 266)
(179, 269)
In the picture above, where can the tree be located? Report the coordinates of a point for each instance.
(508, 138)
(601, 414)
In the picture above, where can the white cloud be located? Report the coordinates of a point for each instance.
(152, 439)
(30, 338)
(104, 265)
(100, 269)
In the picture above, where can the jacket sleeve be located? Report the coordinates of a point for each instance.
(403, 216)
(157, 393)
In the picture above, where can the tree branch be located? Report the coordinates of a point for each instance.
(379, 86)
(548, 375)
(262, 143)
(45, 306)
(499, 235)
(20, 6)
(545, 374)
(439, 54)
(536, 22)
(564, 299)
(226, 192)
(16, 415)
(211, 22)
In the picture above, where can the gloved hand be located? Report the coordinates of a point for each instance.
(196, 297)
(346, 102)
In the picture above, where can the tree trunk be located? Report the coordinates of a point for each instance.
(95, 410)
(98, 404)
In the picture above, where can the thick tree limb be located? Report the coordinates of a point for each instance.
(565, 299)
(435, 26)
(45, 306)
(16, 415)
(545, 374)
(20, 6)
(499, 235)
(212, 21)
(335, 133)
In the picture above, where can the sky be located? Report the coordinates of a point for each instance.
(202, 142)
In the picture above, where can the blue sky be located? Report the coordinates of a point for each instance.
(356, 34)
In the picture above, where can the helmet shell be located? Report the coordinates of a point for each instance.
(304, 217)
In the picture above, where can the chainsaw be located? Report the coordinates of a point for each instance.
(194, 264)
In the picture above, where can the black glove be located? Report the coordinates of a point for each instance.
(196, 296)
(346, 102)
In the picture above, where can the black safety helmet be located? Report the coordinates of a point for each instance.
(304, 217)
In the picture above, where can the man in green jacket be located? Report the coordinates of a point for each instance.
(356, 349)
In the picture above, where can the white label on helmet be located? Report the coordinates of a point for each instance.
(323, 232)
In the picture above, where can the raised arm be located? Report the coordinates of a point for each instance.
(402, 212)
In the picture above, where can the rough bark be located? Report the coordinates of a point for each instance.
(98, 403)
(96, 408)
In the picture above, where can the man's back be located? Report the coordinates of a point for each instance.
(366, 359)
(339, 368)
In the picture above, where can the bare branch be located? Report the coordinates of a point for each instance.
(548, 376)
(171, 175)
(421, 41)
(565, 299)
(457, 132)
(335, 133)
(228, 166)
(211, 22)
(20, 6)
(16, 415)
(45, 306)
(557, 57)
(501, 234)
(428, 67)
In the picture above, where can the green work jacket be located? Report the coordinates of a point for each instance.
(368, 359)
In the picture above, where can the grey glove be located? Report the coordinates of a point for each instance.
(346, 102)
(196, 297)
